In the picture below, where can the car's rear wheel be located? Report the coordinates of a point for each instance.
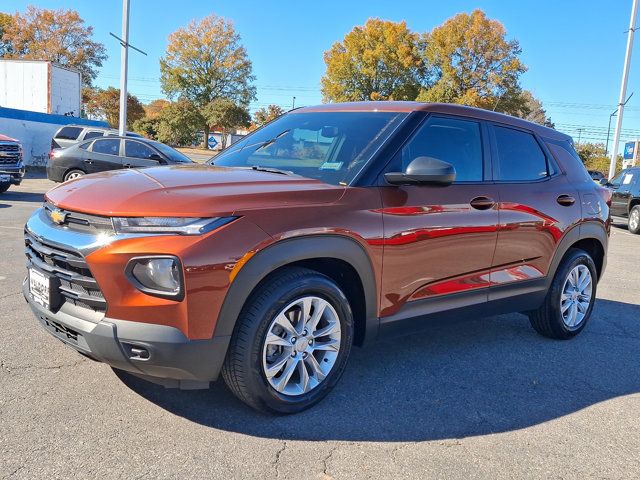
(72, 174)
(634, 220)
(291, 343)
(4, 187)
(569, 301)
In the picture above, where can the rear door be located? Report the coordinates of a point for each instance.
(104, 154)
(139, 155)
(537, 205)
(440, 240)
(621, 186)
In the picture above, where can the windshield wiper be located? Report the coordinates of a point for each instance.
(271, 141)
(258, 168)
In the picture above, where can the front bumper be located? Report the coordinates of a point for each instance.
(158, 353)
(16, 174)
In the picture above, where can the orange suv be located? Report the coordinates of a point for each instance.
(330, 226)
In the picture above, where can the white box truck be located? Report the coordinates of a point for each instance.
(40, 86)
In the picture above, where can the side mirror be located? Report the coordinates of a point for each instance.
(603, 182)
(423, 170)
(155, 156)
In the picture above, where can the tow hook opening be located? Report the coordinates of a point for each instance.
(136, 352)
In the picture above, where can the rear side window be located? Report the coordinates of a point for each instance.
(457, 142)
(93, 134)
(108, 146)
(138, 150)
(69, 133)
(519, 156)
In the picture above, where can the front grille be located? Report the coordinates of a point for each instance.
(9, 154)
(75, 283)
(82, 222)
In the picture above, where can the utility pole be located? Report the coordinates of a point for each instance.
(124, 65)
(623, 88)
(293, 104)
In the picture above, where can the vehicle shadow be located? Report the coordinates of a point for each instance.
(18, 196)
(457, 379)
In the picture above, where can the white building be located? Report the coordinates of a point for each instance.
(40, 86)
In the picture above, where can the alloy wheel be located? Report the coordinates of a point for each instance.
(576, 296)
(301, 346)
(634, 219)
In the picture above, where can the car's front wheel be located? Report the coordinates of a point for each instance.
(4, 187)
(291, 343)
(634, 220)
(569, 301)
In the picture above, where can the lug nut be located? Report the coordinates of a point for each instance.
(304, 333)
(293, 339)
(311, 341)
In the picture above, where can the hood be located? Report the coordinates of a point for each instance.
(4, 138)
(188, 191)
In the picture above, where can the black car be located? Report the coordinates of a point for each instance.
(109, 153)
(625, 201)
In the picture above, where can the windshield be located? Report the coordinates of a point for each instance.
(174, 155)
(329, 146)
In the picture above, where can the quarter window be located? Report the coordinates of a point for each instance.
(457, 142)
(138, 150)
(69, 133)
(108, 146)
(519, 156)
(92, 134)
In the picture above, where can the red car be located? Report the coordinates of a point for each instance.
(328, 227)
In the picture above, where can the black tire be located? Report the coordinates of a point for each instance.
(4, 187)
(634, 220)
(71, 173)
(243, 371)
(547, 320)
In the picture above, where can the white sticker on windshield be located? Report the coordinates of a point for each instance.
(331, 166)
(627, 179)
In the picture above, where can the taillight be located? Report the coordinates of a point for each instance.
(605, 194)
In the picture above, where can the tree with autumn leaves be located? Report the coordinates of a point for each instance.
(466, 60)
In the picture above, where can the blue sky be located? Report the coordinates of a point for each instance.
(574, 49)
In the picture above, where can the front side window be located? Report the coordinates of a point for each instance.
(108, 146)
(171, 154)
(520, 157)
(454, 141)
(69, 133)
(138, 150)
(332, 147)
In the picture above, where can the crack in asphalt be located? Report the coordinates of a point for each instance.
(8, 368)
(276, 464)
(13, 294)
(325, 462)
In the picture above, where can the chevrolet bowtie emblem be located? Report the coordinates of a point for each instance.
(58, 216)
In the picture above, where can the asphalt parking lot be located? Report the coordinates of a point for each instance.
(478, 398)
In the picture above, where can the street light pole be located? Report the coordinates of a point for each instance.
(124, 60)
(623, 88)
(606, 147)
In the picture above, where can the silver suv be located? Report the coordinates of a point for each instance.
(68, 135)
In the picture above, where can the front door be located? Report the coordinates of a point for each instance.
(138, 155)
(620, 186)
(439, 240)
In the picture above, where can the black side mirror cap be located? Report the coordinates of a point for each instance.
(423, 170)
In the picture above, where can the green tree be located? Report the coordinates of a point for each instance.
(381, 60)
(532, 110)
(179, 123)
(594, 156)
(266, 114)
(205, 61)
(474, 64)
(225, 115)
(105, 105)
(147, 127)
(59, 36)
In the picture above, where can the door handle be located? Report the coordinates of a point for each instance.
(482, 203)
(89, 161)
(126, 165)
(566, 200)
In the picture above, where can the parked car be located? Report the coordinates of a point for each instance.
(111, 153)
(11, 163)
(68, 135)
(625, 201)
(330, 226)
(597, 176)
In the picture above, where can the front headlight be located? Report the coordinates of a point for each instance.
(176, 225)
